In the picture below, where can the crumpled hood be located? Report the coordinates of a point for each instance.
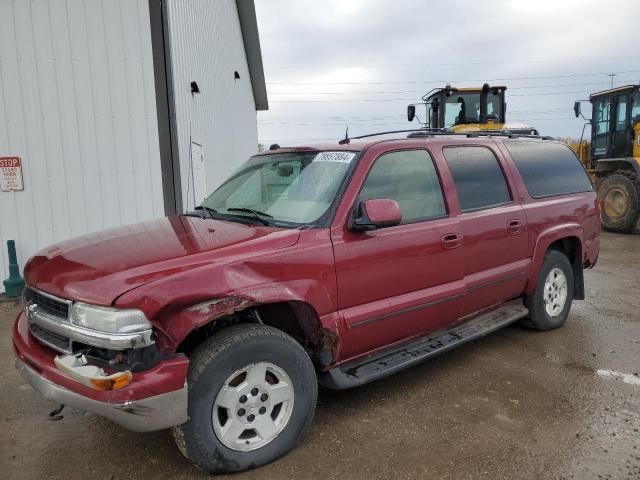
(99, 267)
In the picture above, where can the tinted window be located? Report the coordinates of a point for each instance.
(478, 177)
(410, 178)
(548, 168)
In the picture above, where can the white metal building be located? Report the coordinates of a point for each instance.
(121, 110)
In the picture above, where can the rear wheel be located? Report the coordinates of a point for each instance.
(619, 195)
(550, 302)
(252, 394)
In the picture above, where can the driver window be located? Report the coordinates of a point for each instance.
(409, 177)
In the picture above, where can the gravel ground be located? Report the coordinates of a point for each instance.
(515, 405)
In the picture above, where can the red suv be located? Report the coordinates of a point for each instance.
(333, 264)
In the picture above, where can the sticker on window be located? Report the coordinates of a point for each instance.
(342, 157)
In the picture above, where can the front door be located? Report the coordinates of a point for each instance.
(398, 282)
(621, 128)
(601, 137)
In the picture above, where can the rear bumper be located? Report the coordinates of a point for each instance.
(155, 399)
(145, 415)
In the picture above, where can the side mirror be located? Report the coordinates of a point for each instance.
(377, 213)
(411, 112)
(576, 109)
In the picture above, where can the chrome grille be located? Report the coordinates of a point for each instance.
(57, 309)
(48, 304)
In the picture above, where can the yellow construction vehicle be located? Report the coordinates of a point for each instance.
(468, 110)
(612, 157)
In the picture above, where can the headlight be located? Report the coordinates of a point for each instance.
(110, 320)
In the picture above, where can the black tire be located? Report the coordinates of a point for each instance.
(212, 364)
(538, 318)
(619, 195)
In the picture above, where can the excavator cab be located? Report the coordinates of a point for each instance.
(615, 122)
(613, 156)
(452, 107)
(468, 110)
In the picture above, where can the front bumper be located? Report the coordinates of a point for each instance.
(155, 399)
(145, 415)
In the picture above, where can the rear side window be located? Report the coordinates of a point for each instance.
(548, 168)
(478, 177)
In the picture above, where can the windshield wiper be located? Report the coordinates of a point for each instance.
(210, 211)
(258, 215)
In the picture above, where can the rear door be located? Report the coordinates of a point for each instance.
(493, 226)
(398, 282)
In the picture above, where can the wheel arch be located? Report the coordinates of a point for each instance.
(605, 166)
(297, 318)
(567, 239)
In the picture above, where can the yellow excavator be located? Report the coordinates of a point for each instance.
(612, 157)
(468, 110)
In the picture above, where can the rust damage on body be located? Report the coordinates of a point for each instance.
(329, 350)
(220, 307)
(296, 318)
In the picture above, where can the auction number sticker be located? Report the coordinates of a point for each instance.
(341, 157)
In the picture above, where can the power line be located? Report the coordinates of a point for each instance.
(341, 124)
(572, 75)
(524, 87)
(267, 116)
(352, 100)
(421, 65)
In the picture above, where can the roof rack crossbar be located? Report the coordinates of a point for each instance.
(426, 132)
(398, 131)
(483, 133)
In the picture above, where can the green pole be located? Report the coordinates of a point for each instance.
(13, 285)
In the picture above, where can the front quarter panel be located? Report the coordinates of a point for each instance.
(178, 304)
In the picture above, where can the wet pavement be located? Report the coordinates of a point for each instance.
(515, 405)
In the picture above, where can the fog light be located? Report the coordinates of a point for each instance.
(76, 367)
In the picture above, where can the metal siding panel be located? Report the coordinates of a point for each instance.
(11, 133)
(77, 103)
(153, 175)
(207, 46)
(85, 125)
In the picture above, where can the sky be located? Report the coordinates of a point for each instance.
(330, 64)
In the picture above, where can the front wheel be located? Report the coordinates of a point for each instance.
(550, 302)
(252, 394)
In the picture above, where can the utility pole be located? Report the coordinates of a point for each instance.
(611, 75)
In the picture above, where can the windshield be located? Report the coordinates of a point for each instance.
(294, 187)
(464, 107)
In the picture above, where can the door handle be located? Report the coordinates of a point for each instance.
(451, 241)
(514, 227)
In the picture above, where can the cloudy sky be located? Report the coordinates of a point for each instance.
(333, 63)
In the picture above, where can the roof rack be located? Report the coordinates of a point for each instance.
(428, 132)
(424, 130)
(482, 133)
